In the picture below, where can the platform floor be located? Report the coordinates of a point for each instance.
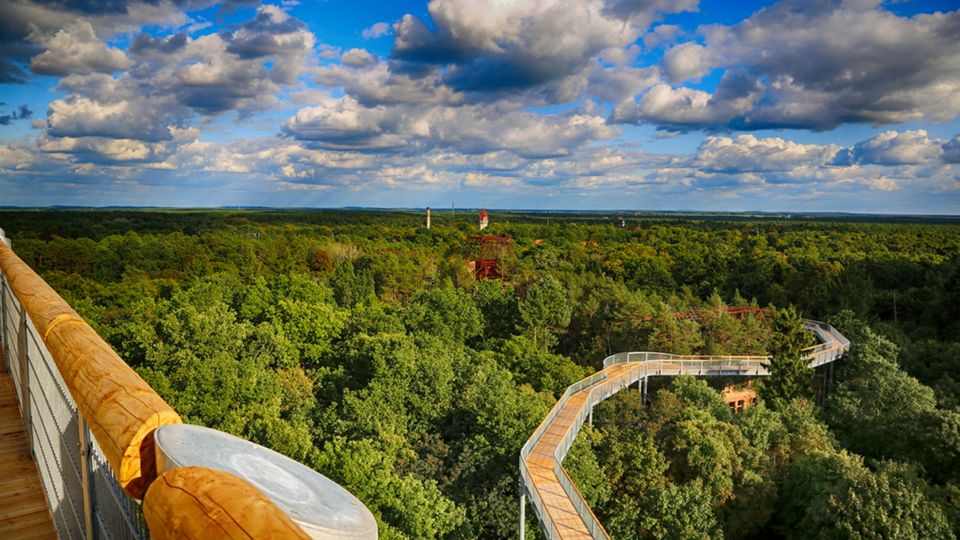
(23, 509)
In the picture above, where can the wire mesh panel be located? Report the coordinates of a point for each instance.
(11, 341)
(55, 439)
(115, 514)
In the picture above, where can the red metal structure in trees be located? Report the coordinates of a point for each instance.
(489, 251)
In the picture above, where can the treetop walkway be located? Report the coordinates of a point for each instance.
(562, 511)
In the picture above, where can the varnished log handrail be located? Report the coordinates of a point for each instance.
(121, 409)
(198, 502)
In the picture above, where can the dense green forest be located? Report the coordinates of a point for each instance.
(359, 343)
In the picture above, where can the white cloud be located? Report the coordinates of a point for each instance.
(357, 58)
(895, 148)
(821, 64)
(375, 31)
(76, 49)
(492, 46)
(747, 153)
(344, 123)
(688, 61)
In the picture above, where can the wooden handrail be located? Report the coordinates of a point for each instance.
(197, 503)
(121, 409)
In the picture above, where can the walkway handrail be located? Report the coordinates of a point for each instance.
(90, 420)
(606, 382)
(120, 408)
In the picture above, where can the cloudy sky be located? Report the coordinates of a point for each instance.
(604, 104)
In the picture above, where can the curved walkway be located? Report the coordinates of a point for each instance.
(561, 509)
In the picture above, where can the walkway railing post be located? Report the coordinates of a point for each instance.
(523, 511)
(3, 322)
(25, 379)
(86, 462)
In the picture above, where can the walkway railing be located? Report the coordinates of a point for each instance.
(542, 455)
(90, 422)
(84, 497)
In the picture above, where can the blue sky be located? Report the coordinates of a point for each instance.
(802, 105)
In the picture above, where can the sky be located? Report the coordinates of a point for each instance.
(794, 105)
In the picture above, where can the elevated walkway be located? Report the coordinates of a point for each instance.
(23, 510)
(561, 509)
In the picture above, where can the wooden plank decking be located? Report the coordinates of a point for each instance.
(23, 509)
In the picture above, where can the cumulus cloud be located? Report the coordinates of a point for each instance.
(375, 84)
(344, 123)
(375, 31)
(100, 106)
(746, 153)
(41, 21)
(688, 61)
(229, 71)
(894, 148)
(76, 49)
(143, 116)
(357, 58)
(173, 77)
(816, 65)
(490, 46)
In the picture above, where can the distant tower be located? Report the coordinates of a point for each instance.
(484, 219)
(428, 217)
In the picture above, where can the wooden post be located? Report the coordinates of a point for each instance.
(86, 471)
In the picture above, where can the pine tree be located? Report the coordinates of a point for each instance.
(789, 374)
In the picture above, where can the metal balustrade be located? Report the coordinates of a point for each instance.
(619, 371)
(84, 498)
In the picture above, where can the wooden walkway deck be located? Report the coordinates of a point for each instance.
(23, 509)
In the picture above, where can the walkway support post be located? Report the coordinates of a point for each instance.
(3, 325)
(85, 472)
(25, 378)
(523, 511)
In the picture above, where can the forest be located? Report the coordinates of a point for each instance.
(360, 343)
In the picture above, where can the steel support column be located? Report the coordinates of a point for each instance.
(25, 380)
(3, 322)
(86, 471)
(523, 512)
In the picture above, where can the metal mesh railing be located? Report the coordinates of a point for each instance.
(84, 498)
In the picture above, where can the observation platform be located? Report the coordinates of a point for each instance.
(559, 505)
(23, 510)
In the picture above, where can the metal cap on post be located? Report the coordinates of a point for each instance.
(321, 507)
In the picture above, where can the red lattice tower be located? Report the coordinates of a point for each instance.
(489, 252)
